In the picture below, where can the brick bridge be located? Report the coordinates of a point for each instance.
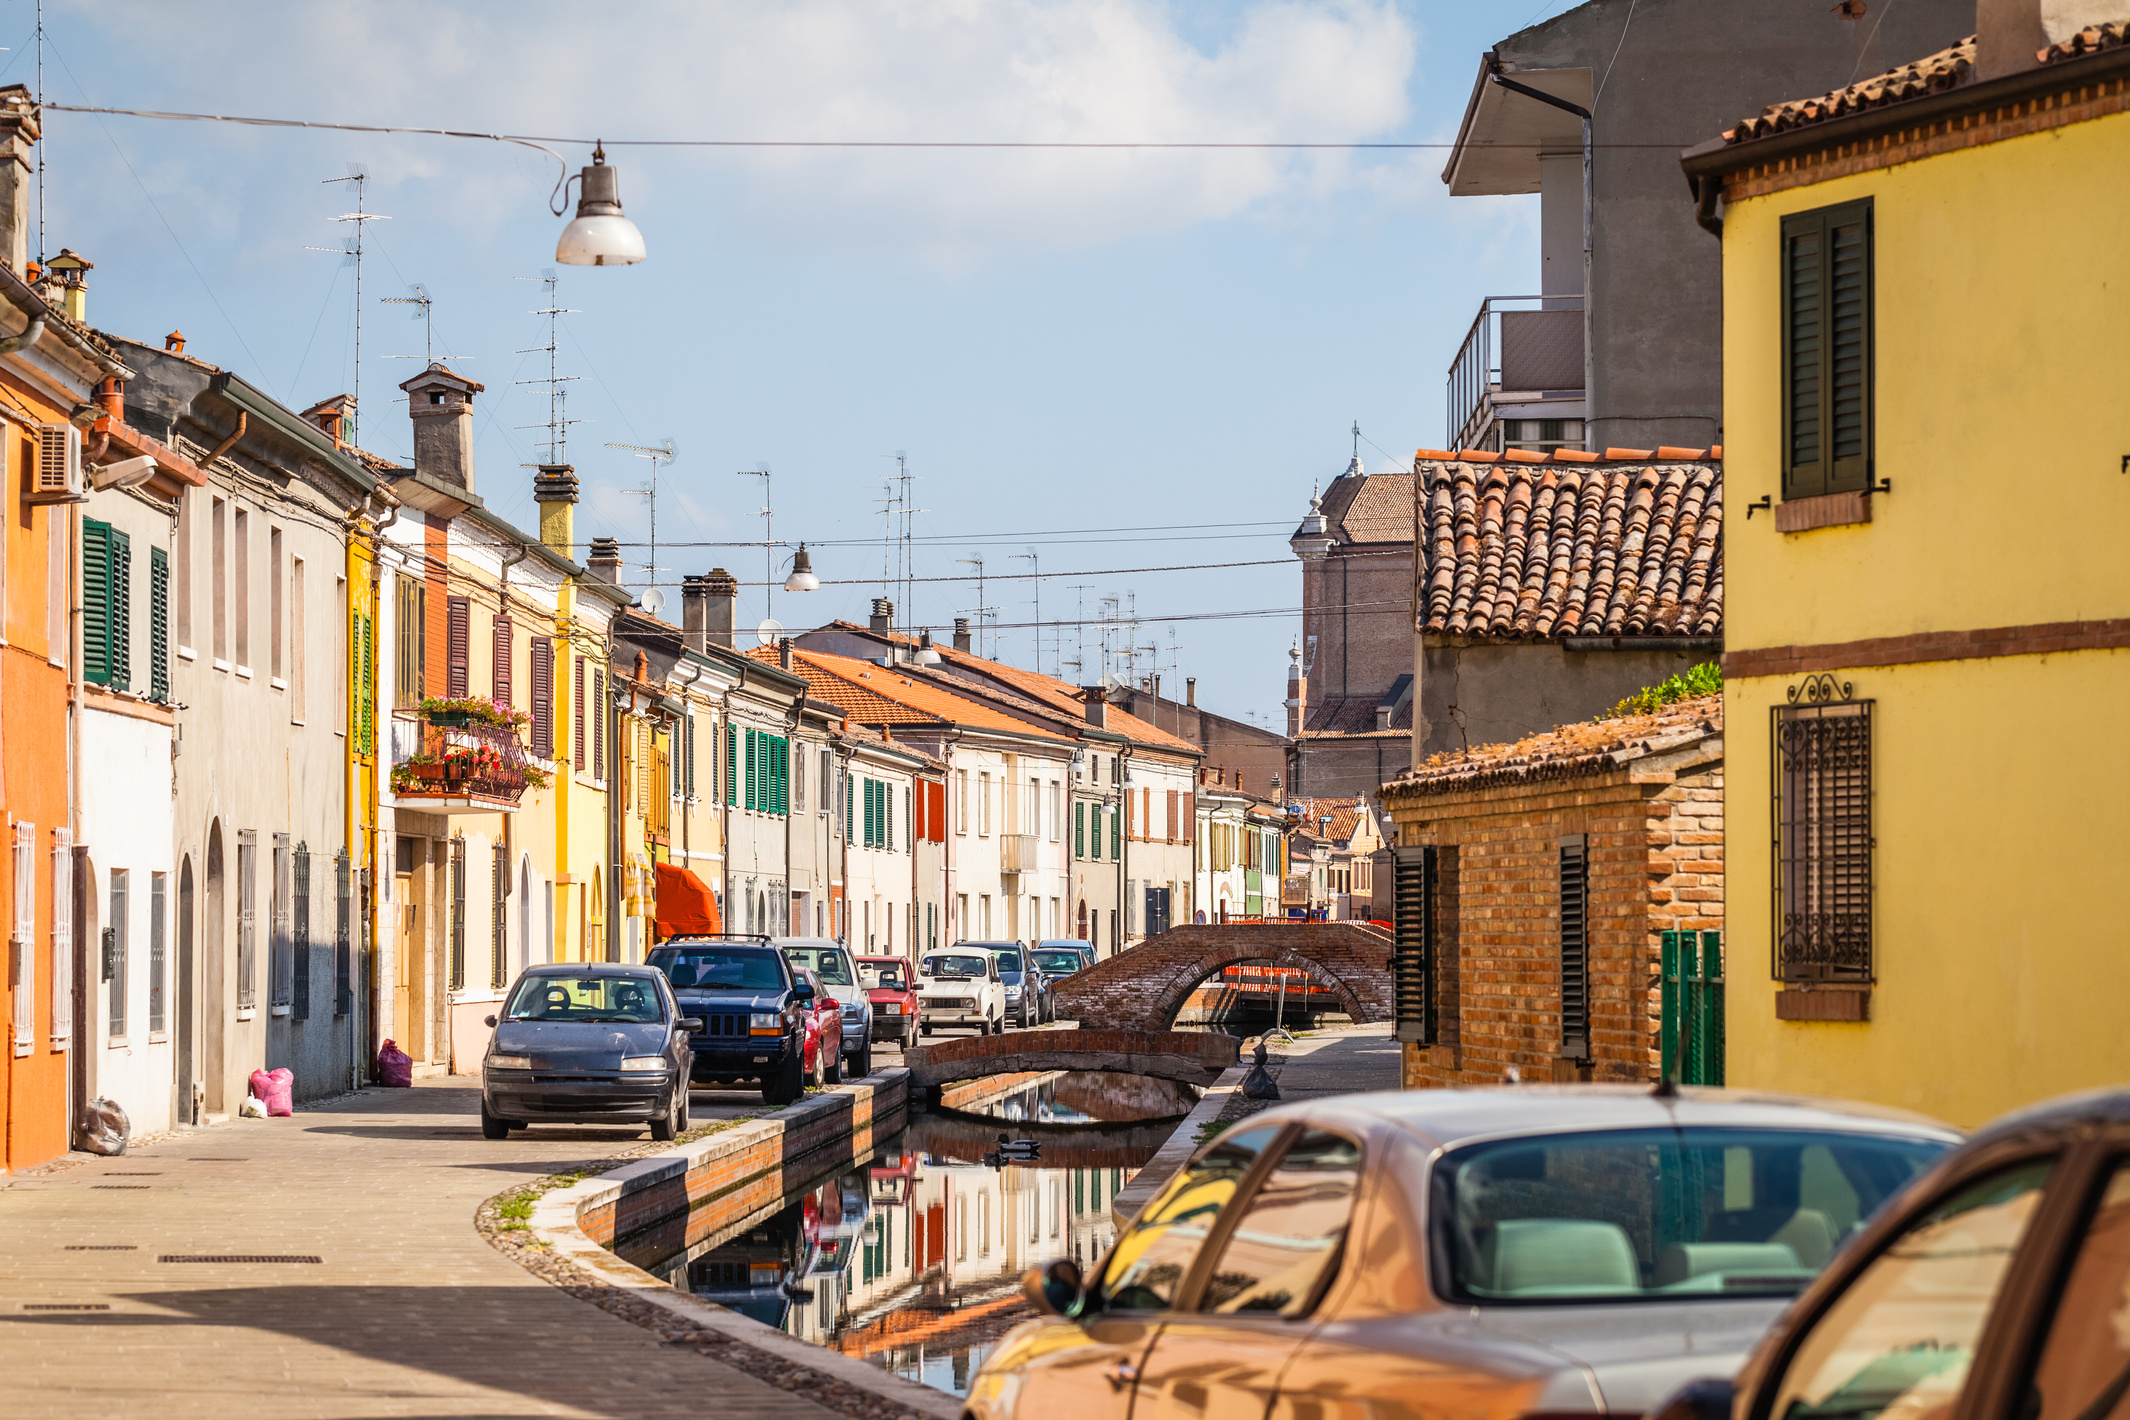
(968, 1138)
(1145, 986)
(1193, 1057)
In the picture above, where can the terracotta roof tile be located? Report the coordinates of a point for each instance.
(1354, 715)
(1590, 747)
(2090, 40)
(876, 695)
(1947, 69)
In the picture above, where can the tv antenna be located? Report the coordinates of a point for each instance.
(981, 609)
(657, 454)
(1079, 636)
(557, 425)
(422, 299)
(360, 216)
(1036, 566)
(769, 567)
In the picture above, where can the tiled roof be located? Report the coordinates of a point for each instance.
(1590, 747)
(1376, 507)
(876, 695)
(1345, 818)
(1356, 715)
(1528, 551)
(2090, 40)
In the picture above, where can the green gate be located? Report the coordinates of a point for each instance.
(1691, 1036)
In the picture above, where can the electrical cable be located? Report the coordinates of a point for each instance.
(1031, 576)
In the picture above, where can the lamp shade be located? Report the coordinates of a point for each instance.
(802, 578)
(599, 235)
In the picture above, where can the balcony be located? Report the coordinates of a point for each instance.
(1521, 365)
(1017, 853)
(459, 761)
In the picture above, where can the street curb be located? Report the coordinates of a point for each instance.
(656, 1183)
(1177, 1151)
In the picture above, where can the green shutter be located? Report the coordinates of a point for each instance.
(783, 776)
(158, 624)
(1827, 350)
(754, 770)
(848, 781)
(121, 623)
(1668, 1008)
(95, 601)
(1116, 825)
(1079, 830)
(732, 792)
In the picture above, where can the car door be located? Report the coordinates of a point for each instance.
(2083, 1370)
(1249, 1311)
(1086, 1367)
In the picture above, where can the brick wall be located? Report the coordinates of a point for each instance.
(1145, 986)
(1655, 844)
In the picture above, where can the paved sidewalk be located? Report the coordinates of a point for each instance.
(410, 1313)
(1339, 1060)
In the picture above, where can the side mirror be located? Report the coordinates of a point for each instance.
(1056, 1289)
(693, 1025)
(802, 992)
(1709, 1398)
(491, 1020)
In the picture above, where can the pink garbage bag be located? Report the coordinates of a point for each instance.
(276, 1090)
(395, 1067)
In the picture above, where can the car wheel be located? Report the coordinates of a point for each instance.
(786, 1085)
(862, 1063)
(680, 1109)
(664, 1129)
(998, 1027)
(820, 1070)
(909, 1037)
(832, 1068)
(492, 1127)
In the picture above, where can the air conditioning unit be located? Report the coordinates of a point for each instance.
(59, 477)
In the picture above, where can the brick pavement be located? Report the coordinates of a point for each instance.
(410, 1313)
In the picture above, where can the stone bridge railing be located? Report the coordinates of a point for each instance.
(1193, 1057)
(1143, 987)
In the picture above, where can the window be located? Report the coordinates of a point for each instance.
(599, 723)
(458, 914)
(181, 545)
(732, 755)
(114, 945)
(158, 970)
(220, 569)
(961, 801)
(158, 625)
(458, 647)
(543, 697)
(2088, 1353)
(410, 616)
(1902, 1337)
(300, 934)
(62, 934)
(1057, 811)
(247, 919)
(827, 781)
(1413, 964)
(280, 960)
(1079, 830)
(1575, 947)
(688, 757)
(296, 706)
(22, 937)
(983, 804)
(343, 953)
(1115, 852)
(499, 662)
(1285, 1247)
(1152, 1260)
(363, 633)
(240, 585)
(106, 605)
(1822, 781)
(498, 902)
(1827, 350)
(798, 783)
(276, 608)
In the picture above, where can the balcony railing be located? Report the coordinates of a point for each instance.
(1519, 346)
(445, 758)
(1017, 852)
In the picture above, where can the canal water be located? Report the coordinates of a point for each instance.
(912, 1259)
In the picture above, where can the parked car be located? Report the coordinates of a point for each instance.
(1515, 1251)
(824, 1039)
(887, 982)
(959, 986)
(1027, 994)
(1062, 957)
(755, 1013)
(832, 966)
(1998, 1286)
(580, 1043)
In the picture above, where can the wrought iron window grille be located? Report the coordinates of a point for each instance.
(1820, 811)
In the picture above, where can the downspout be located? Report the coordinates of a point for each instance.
(1124, 847)
(687, 816)
(1708, 193)
(615, 839)
(948, 875)
(724, 803)
(243, 423)
(1494, 73)
(791, 737)
(845, 753)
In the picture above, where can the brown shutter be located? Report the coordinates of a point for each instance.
(501, 661)
(543, 697)
(460, 640)
(1174, 802)
(576, 714)
(597, 722)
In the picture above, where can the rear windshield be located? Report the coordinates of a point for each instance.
(1652, 1213)
(1063, 963)
(720, 968)
(1009, 961)
(888, 976)
(954, 966)
(608, 999)
(828, 963)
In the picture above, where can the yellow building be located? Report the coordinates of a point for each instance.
(1928, 639)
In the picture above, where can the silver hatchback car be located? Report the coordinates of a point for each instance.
(1492, 1253)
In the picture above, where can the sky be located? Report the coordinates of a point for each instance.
(1113, 360)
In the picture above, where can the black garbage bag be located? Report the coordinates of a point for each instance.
(1259, 1084)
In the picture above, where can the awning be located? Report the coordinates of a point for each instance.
(686, 906)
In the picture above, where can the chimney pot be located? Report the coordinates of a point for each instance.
(784, 652)
(440, 402)
(961, 633)
(555, 491)
(604, 561)
(1097, 706)
(720, 594)
(883, 614)
(1190, 691)
(175, 342)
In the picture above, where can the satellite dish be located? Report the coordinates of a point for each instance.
(769, 631)
(1111, 680)
(654, 601)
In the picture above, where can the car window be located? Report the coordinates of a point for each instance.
(1633, 1214)
(885, 978)
(1059, 963)
(828, 963)
(1287, 1241)
(955, 966)
(606, 999)
(1901, 1338)
(1151, 1261)
(720, 968)
(2085, 1365)
(1009, 961)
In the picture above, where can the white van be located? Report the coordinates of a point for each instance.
(960, 986)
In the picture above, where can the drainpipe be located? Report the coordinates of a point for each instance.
(1495, 74)
(243, 423)
(845, 753)
(1708, 192)
(724, 804)
(791, 737)
(1124, 844)
(948, 866)
(687, 839)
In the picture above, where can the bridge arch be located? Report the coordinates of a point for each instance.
(1144, 988)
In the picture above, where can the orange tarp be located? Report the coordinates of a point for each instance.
(686, 906)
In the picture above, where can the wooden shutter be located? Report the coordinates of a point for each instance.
(458, 914)
(458, 640)
(937, 790)
(1575, 947)
(732, 746)
(121, 611)
(95, 601)
(1079, 830)
(62, 933)
(597, 723)
(500, 660)
(158, 624)
(576, 723)
(1413, 964)
(23, 937)
(543, 697)
(1827, 350)
(1174, 805)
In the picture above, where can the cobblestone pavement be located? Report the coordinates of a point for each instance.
(408, 1312)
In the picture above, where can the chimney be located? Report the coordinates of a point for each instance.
(883, 614)
(784, 652)
(721, 594)
(174, 342)
(441, 405)
(1383, 714)
(72, 274)
(1297, 693)
(694, 609)
(961, 633)
(111, 394)
(1190, 691)
(19, 130)
(1097, 706)
(555, 490)
(330, 415)
(604, 561)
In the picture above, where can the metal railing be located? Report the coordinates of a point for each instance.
(1525, 344)
(446, 756)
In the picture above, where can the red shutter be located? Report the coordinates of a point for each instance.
(938, 792)
(460, 640)
(1190, 818)
(543, 697)
(501, 694)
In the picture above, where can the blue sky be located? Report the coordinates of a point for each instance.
(1124, 341)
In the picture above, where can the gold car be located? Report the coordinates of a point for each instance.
(1487, 1253)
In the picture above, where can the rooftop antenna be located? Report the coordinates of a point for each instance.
(422, 299)
(657, 454)
(1357, 438)
(1079, 636)
(1036, 567)
(359, 217)
(890, 572)
(769, 570)
(909, 541)
(978, 563)
(557, 425)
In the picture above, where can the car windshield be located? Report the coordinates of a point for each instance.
(828, 963)
(954, 968)
(883, 978)
(720, 968)
(609, 999)
(1009, 961)
(1060, 963)
(1649, 1213)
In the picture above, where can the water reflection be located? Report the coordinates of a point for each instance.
(913, 1258)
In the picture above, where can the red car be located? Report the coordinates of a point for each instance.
(894, 996)
(822, 1055)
